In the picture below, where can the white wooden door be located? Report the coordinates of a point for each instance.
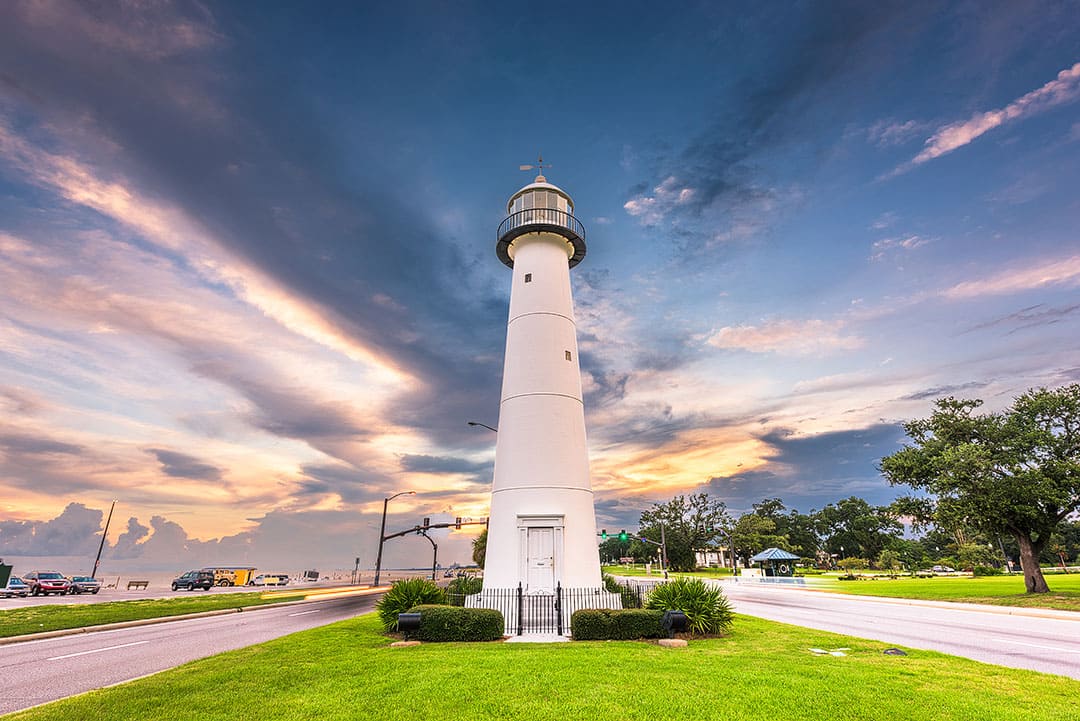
(540, 561)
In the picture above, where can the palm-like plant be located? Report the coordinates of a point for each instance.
(705, 606)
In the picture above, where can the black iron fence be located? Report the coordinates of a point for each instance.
(549, 612)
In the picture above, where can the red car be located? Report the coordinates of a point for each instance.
(46, 582)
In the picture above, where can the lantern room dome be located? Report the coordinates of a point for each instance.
(540, 207)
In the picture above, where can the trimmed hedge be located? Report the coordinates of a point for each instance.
(454, 623)
(604, 624)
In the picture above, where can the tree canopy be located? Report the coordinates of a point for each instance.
(690, 523)
(1014, 472)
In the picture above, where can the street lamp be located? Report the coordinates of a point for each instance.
(483, 425)
(382, 531)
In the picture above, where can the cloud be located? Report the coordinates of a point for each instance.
(787, 337)
(886, 246)
(654, 206)
(813, 468)
(127, 545)
(438, 464)
(142, 31)
(1065, 88)
(73, 532)
(886, 133)
(1033, 316)
(946, 390)
(1060, 272)
(181, 465)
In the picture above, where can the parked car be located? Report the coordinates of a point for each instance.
(194, 579)
(943, 569)
(15, 587)
(84, 584)
(270, 579)
(46, 582)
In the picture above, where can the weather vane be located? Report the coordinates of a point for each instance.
(540, 166)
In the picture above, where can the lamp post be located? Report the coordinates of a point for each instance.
(482, 425)
(434, 554)
(93, 574)
(382, 531)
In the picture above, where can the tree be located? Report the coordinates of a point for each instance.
(613, 549)
(889, 560)
(853, 525)
(752, 534)
(690, 523)
(479, 548)
(1014, 472)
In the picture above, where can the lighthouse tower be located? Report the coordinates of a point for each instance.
(542, 528)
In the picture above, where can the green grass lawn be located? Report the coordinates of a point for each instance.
(762, 672)
(997, 590)
(33, 619)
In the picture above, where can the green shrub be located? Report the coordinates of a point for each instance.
(454, 623)
(604, 624)
(705, 606)
(986, 571)
(630, 598)
(463, 586)
(405, 594)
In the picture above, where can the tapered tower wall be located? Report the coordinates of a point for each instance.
(541, 457)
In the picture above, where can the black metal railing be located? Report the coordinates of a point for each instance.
(548, 612)
(542, 216)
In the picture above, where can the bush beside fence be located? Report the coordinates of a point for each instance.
(454, 623)
(604, 624)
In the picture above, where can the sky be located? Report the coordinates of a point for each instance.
(248, 285)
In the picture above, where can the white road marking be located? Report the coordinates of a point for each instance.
(96, 650)
(1039, 645)
(304, 613)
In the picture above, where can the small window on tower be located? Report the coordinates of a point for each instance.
(569, 356)
(528, 277)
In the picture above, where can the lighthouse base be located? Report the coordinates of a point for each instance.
(541, 612)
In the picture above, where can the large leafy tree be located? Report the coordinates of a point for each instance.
(798, 531)
(853, 527)
(1014, 472)
(752, 534)
(690, 523)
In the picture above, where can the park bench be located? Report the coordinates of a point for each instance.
(137, 584)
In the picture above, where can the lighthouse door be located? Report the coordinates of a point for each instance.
(540, 561)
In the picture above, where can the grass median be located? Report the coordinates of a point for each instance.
(762, 671)
(35, 619)
(995, 590)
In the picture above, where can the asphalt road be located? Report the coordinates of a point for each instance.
(1041, 643)
(34, 672)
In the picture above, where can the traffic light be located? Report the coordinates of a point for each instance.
(427, 522)
(603, 533)
(623, 536)
(457, 523)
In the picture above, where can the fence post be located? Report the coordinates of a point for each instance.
(521, 610)
(558, 605)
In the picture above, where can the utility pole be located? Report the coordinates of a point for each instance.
(93, 574)
(382, 532)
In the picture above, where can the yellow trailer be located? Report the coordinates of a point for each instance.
(232, 575)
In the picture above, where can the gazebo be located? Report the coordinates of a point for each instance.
(775, 561)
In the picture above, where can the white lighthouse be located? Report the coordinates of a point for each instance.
(542, 528)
